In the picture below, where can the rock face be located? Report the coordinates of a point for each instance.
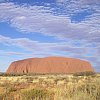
(50, 65)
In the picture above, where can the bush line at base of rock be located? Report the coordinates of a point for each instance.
(87, 73)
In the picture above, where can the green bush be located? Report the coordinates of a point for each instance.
(87, 73)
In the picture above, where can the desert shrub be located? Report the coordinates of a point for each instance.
(11, 89)
(6, 97)
(36, 94)
(90, 90)
(87, 73)
(79, 91)
(29, 79)
(1, 74)
(12, 74)
(8, 87)
(1, 96)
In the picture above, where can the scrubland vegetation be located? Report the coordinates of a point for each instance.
(79, 86)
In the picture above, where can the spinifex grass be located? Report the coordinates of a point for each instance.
(57, 87)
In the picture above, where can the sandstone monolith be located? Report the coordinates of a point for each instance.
(50, 65)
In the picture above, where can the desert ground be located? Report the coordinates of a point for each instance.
(50, 87)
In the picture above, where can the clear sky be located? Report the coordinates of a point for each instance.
(40, 28)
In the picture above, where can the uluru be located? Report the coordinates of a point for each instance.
(50, 65)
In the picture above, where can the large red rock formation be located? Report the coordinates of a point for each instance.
(50, 65)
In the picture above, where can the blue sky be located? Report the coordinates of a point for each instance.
(40, 28)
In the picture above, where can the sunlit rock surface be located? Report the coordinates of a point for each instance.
(50, 65)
